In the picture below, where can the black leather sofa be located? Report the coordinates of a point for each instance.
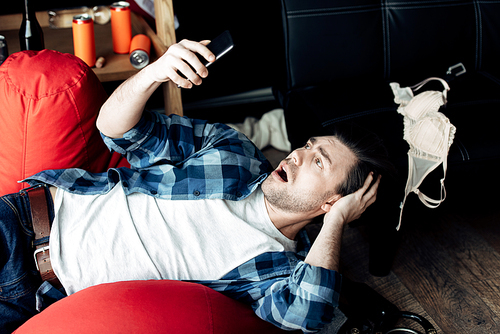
(340, 57)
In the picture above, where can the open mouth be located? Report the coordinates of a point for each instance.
(283, 176)
(281, 172)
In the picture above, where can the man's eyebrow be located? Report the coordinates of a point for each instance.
(323, 153)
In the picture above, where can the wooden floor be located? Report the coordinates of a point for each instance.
(447, 267)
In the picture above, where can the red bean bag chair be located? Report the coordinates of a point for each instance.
(147, 307)
(48, 106)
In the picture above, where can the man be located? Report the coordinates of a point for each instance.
(211, 198)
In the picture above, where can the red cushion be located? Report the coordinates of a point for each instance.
(48, 105)
(147, 307)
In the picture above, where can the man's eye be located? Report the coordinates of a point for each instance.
(318, 163)
(307, 146)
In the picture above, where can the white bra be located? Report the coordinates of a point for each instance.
(429, 134)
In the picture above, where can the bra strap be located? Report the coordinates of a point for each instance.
(443, 82)
(426, 200)
(429, 202)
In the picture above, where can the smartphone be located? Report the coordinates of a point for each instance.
(219, 46)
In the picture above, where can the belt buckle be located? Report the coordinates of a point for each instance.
(39, 250)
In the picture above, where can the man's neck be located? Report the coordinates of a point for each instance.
(288, 223)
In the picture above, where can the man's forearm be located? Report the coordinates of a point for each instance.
(325, 252)
(124, 107)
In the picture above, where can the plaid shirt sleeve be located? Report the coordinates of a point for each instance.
(165, 139)
(284, 290)
(305, 300)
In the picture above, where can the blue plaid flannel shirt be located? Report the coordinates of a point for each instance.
(178, 158)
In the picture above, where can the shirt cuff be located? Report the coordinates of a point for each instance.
(322, 283)
(132, 137)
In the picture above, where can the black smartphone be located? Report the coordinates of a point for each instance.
(220, 45)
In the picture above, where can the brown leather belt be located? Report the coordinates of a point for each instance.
(41, 226)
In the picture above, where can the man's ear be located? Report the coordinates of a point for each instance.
(327, 206)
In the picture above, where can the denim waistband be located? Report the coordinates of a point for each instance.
(19, 278)
(20, 205)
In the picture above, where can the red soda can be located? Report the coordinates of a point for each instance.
(121, 27)
(83, 38)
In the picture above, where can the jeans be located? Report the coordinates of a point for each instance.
(19, 278)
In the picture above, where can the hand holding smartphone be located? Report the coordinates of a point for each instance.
(219, 46)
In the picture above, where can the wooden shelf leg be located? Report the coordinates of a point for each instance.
(165, 29)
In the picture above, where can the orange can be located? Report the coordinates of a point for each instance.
(83, 38)
(121, 27)
(139, 51)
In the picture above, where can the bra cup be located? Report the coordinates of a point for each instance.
(422, 104)
(429, 136)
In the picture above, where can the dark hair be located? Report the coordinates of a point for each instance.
(371, 154)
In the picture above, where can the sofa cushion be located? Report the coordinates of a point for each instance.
(157, 306)
(48, 106)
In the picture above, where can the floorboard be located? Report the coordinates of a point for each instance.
(354, 265)
(447, 269)
(438, 270)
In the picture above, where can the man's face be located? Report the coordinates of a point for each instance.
(307, 178)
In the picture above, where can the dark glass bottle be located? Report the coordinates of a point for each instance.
(30, 34)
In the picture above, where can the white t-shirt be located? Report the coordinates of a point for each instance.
(107, 238)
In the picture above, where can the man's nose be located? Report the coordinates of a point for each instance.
(297, 156)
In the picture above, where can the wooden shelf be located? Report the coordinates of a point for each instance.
(117, 66)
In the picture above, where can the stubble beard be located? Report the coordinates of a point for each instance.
(287, 201)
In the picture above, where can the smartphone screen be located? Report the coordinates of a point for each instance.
(220, 45)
